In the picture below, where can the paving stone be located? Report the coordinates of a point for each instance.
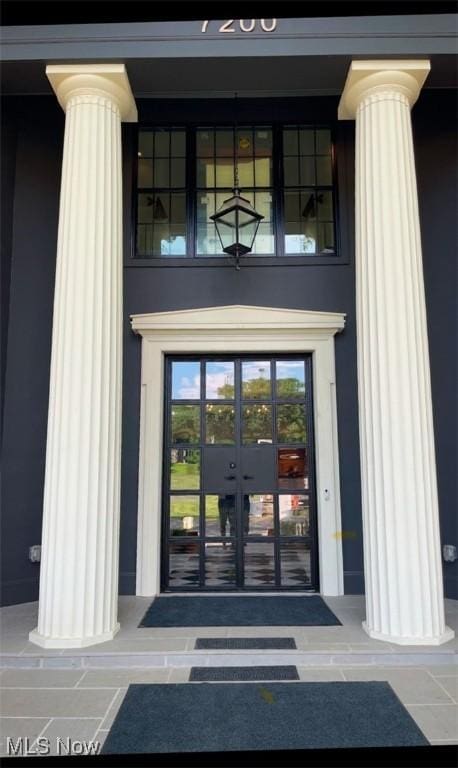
(63, 733)
(72, 702)
(451, 686)
(119, 678)
(131, 645)
(437, 722)
(413, 686)
(443, 670)
(113, 709)
(40, 678)
(179, 675)
(21, 727)
(312, 675)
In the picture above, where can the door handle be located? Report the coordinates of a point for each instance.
(248, 477)
(229, 477)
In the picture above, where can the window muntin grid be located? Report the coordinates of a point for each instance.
(216, 152)
(308, 203)
(297, 201)
(161, 193)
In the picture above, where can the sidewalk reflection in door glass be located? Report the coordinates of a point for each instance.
(258, 514)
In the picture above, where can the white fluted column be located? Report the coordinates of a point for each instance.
(80, 541)
(402, 558)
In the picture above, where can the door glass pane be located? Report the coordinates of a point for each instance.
(290, 376)
(219, 564)
(257, 423)
(184, 470)
(258, 514)
(186, 380)
(219, 381)
(184, 564)
(292, 470)
(220, 515)
(184, 515)
(256, 380)
(259, 564)
(295, 564)
(185, 424)
(220, 424)
(294, 511)
(291, 424)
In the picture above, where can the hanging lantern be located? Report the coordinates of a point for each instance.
(237, 223)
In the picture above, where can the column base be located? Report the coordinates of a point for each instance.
(46, 641)
(447, 635)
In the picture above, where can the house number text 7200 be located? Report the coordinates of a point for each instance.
(245, 25)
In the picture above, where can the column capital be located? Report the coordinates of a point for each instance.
(402, 76)
(106, 80)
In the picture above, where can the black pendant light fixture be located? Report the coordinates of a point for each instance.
(236, 221)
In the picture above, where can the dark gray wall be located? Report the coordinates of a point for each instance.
(8, 134)
(435, 133)
(39, 142)
(34, 221)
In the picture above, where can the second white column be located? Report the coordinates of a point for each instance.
(402, 559)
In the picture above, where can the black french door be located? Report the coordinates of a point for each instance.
(239, 507)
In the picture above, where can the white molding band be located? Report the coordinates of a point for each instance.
(238, 330)
(80, 542)
(402, 558)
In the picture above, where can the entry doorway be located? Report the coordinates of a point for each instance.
(239, 501)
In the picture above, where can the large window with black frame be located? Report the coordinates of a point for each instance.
(184, 175)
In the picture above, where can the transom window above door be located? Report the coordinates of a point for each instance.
(185, 174)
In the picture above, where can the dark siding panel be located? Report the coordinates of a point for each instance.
(8, 167)
(435, 131)
(39, 147)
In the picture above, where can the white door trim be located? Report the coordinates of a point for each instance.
(238, 329)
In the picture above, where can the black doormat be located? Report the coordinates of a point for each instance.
(243, 674)
(245, 644)
(217, 717)
(239, 611)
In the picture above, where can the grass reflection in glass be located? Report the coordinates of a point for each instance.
(184, 469)
(184, 515)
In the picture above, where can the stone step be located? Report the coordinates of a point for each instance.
(87, 659)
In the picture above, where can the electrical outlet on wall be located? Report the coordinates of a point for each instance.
(35, 553)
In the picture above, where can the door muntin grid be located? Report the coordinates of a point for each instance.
(239, 506)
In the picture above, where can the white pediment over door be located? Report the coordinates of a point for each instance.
(239, 317)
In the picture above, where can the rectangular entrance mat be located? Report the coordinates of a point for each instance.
(239, 611)
(245, 644)
(243, 674)
(219, 717)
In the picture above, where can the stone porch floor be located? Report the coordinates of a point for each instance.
(76, 693)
